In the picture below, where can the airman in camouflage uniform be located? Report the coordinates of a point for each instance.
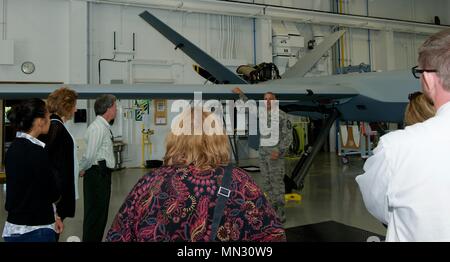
(271, 158)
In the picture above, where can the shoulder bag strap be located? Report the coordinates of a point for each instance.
(222, 196)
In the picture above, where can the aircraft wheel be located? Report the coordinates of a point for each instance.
(345, 160)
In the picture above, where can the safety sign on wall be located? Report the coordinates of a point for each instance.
(142, 108)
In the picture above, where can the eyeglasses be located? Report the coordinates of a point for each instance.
(417, 72)
(412, 96)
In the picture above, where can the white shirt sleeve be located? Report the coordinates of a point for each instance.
(94, 140)
(374, 184)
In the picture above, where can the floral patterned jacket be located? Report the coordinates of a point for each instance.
(177, 204)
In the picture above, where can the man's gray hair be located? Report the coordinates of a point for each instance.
(434, 54)
(102, 104)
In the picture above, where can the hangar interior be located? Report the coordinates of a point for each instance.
(105, 42)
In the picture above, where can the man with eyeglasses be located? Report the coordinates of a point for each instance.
(406, 183)
(416, 71)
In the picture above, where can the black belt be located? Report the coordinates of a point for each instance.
(102, 165)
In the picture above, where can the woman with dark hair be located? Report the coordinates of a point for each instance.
(61, 148)
(31, 188)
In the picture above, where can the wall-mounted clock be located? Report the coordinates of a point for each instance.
(28, 67)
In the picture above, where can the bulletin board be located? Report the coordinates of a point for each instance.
(160, 111)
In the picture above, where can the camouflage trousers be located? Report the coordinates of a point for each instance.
(272, 173)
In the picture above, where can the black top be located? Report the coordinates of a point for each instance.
(31, 187)
(59, 145)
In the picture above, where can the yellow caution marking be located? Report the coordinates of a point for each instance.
(2, 177)
(293, 198)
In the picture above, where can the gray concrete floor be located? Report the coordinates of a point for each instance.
(330, 193)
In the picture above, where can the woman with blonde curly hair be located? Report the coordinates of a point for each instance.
(197, 195)
(61, 148)
(419, 109)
